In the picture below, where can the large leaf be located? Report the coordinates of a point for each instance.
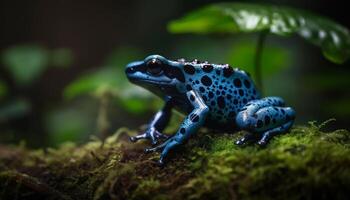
(333, 38)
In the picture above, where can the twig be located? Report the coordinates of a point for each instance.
(34, 184)
(258, 58)
(96, 157)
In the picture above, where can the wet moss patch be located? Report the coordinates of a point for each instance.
(305, 163)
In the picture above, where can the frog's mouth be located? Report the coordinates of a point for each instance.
(140, 79)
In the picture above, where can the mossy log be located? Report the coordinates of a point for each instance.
(306, 163)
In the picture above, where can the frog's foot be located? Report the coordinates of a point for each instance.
(247, 138)
(151, 150)
(165, 147)
(270, 133)
(160, 147)
(156, 148)
(154, 136)
(151, 134)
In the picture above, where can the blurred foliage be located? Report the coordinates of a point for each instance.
(111, 79)
(62, 57)
(90, 83)
(328, 81)
(332, 82)
(274, 57)
(27, 62)
(3, 89)
(14, 109)
(339, 107)
(333, 38)
(67, 124)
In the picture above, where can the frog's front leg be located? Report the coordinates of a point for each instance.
(189, 126)
(157, 124)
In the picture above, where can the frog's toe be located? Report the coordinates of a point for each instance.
(262, 143)
(154, 143)
(138, 137)
(156, 148)
(160, 163)
(132, 139)
(154, 140)
(158, 135)
(148, 150)
(240, 142)
(161, 135)
(247, 138)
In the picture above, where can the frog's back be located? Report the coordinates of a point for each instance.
(224, 90)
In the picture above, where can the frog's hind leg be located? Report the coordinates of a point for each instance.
(264, 119)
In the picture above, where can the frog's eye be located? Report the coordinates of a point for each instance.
(154, 67)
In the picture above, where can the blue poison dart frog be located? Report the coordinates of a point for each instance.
(212, 95)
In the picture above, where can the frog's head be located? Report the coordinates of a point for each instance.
(157, 74)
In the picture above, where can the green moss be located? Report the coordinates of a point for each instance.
(305, 163)
(146, 188)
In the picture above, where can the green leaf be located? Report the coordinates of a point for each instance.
(106, 77)
(3, 89)
(333, 38)
(112, 81)
(110, 77)
(134, 105)
(25, 62)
